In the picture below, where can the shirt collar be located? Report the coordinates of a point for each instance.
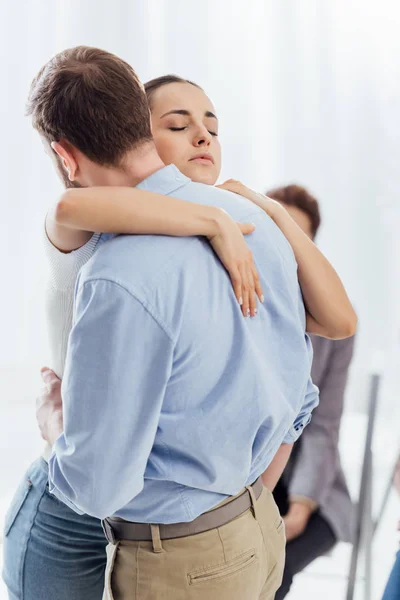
(164, 181)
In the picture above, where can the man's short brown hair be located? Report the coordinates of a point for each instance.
(94, 100)
(295, 195)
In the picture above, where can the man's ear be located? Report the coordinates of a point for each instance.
(67, 158)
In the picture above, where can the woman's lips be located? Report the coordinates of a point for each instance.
(203, 159)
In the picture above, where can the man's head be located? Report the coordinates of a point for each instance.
(301, 206)
(91, 110)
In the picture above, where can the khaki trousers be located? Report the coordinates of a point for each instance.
(242, 560)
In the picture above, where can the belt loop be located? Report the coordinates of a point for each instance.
(156, 539)
(253, 500)
(108, 532)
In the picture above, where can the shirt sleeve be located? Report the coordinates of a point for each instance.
(311, 393)
(303, 418)
(118, 364)
(316, 463)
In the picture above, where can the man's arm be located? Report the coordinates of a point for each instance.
(276, 467)
(310, 402)
(118, 365)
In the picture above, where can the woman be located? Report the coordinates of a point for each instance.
(50, 550)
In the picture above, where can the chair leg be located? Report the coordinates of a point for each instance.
(364, 525)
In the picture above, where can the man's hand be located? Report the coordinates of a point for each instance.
(296, 520)
(49, 407)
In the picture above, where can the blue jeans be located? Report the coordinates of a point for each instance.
(392, 591)
(51, 552)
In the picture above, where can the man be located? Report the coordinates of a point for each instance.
(173, 403)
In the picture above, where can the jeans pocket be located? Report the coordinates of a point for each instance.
(111, 551)
(16, 504)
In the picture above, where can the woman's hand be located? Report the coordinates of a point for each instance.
(49, 413)
(329, 310)
(230, 246)
(271, 207)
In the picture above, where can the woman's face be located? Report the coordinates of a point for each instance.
(185, 131)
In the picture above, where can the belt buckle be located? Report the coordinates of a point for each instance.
(108, 532)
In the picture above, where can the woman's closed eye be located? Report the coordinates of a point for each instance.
(214, 133)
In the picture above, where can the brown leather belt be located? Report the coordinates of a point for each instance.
(117, 529)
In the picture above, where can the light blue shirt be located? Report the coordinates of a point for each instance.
(172, 399)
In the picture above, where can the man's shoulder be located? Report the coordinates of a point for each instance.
(240, 209)
(137, 261)
(237, 206)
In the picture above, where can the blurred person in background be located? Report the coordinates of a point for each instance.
(312, 494)
(72, 556)
(392, 590)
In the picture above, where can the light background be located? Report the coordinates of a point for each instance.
(306, 91)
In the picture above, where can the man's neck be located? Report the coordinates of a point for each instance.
(136, 166)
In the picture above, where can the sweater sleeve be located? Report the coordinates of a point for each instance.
(65, 266)
(59, 298)
(316, 462)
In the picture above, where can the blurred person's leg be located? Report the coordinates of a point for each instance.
(392, 590)
(50, 552)
(317, 539)
(281, 497)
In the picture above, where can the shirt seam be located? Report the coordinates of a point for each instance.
(186, 504)
(181, 185)
(254, 213)
(146, 306)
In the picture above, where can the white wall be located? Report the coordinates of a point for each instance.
(306, 91)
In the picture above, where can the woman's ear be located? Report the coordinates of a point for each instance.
(67, 159)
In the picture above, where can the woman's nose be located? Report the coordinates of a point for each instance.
(203, 138)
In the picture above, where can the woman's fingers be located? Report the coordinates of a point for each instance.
(253, 277)
(232, 185)
(245, 290)
(246, 228)
(248, 282)
(257, 284)
(237, 284)
(231, 248)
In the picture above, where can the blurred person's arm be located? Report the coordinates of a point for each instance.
(316, 462)
(329, 310)
(396, 479)
(123, 210)
(276, 467)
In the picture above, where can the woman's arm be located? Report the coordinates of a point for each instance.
(125, 210)
(329, 311)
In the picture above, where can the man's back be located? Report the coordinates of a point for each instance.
(217, 393)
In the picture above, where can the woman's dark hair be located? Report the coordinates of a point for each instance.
(154, 84)
(295, 195)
